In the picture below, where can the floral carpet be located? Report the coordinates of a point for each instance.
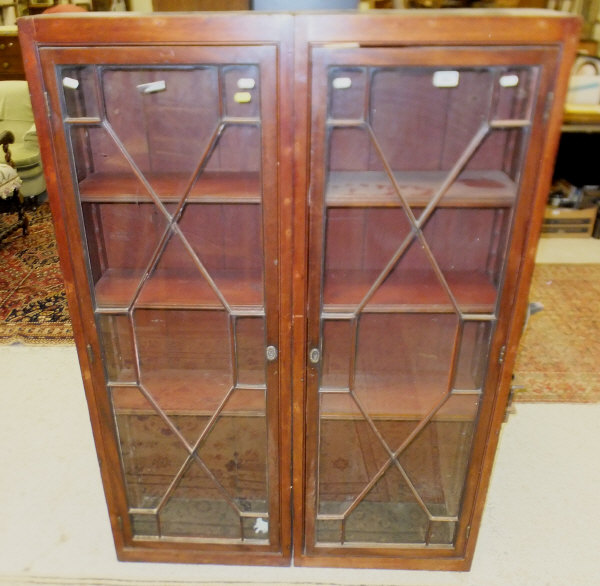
(33, 306)
(559, 356)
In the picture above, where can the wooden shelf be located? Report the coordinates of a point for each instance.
(212, 187)
(373, 188)
(399, 398)
(188, 393)
(411, 291)
(171, 289)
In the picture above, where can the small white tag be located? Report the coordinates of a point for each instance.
(509, 80)
(152, 87)
(71, 83)
(445, 78)
(246, 83)
(261, 526)
(342, 83)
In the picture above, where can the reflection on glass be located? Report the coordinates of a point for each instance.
(171, 206)
(80, 91)
(414, 243)
(117, 343)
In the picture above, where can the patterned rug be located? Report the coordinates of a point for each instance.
(33, 306)
(559, 356)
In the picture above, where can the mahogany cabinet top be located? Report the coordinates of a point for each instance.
(435, 27)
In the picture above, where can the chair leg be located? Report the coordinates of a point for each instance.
(16, 203)
(23, 220)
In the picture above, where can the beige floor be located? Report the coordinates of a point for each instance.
(541, 525)
(568, 250)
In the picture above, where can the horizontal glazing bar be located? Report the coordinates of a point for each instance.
(243, 387)
(112, 310)
(254, 515)
(85, 121)
(258, 312)
(116, 384)
(253, 121)
(474, 392)
(332, 122)
(509, 123)
(478, 317)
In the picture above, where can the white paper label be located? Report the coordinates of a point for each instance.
(509, 80)
(261, 526)
(152, 87)
(70, 83)
(246, 83)
(445, 78)
(342, 83)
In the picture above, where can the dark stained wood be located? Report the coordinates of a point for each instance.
(375, 188)
(339, 214)
(211, 187)
(128, 207)
(293, 236)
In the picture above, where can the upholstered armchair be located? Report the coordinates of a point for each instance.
(16, 116)
(11, 200)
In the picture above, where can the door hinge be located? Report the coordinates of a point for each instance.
(510, 409)
(501, 355)
(90, 353)
(548, 105)
(47, 101)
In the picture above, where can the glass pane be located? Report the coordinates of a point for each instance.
(388, 514)
(250, 350)
(402, 368)
(154, 111)
(118, 262)
(227, 240)
(350, 455)
(348, 87)
(359, 244)
(441, 532)
(150, 449)
(516, 90)
(415, 236)
(237, 149)
(102, 168)
(470, 368)
(337, 352)
(235, 452)
(117, 343)
(80, 91)
(168, 170)
(471, 265)
(199, 508)
(185, 359)
(241, 91)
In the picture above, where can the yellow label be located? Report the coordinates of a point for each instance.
(242, 97)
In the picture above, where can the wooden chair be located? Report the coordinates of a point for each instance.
(11, 200)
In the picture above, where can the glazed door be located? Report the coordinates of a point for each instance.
(177, 209)
(418, 166)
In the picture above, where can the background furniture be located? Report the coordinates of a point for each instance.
(11, 200)
(11, 61)
(16, 115)
(297, 252)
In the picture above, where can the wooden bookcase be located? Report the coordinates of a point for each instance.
(297, 250)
